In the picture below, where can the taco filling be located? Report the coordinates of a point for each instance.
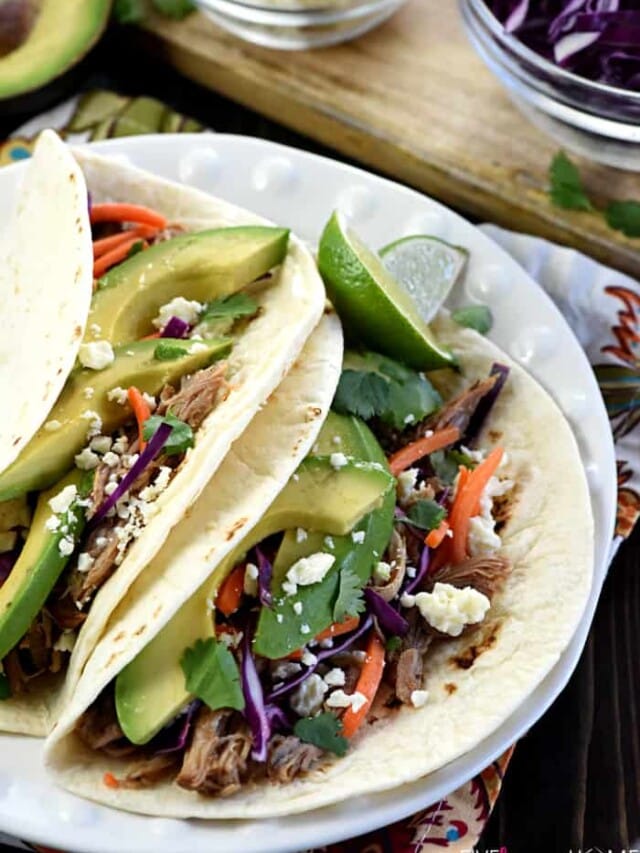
(167, 309)
(385, 543)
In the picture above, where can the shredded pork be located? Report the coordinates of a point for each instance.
(149, 771)
(289, 757)
(487, 574)
(197, 395)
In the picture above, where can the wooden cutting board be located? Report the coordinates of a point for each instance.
(414, 101)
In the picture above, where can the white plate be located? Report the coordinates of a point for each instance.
(300, 190)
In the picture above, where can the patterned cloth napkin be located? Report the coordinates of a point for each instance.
(602, 307)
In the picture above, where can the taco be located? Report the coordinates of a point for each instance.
(411, 584)
(174, 317)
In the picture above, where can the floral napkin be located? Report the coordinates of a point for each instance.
(602, 307)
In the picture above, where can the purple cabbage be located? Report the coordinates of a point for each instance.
(278, 720)
(255, 710)
(596, 39)
(152, 449)
(423, 569)
(389, 620)
(265, 570)
(477, 420)
(175, 736)
(175, 328)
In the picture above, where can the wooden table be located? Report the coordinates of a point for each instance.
(575, 778)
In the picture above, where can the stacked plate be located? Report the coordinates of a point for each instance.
(298, 24)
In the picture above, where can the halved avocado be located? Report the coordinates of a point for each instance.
(62, 33)
(50, 452)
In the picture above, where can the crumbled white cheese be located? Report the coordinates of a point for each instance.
(407, 483)
(326, 644)
(482, 538)
(101, 541)
(129, 459)
(85, 561)
(111, 459)
(65, 642)
(52, 523)
(335, 677)
(340, 699)
(382, 572)
(308, 658)
(101, 443)
(185, 309)
(110, 488)
(117, 395)
(306, 700)
(96, 355)
(120, 445)
(297, 608)
(301, 535)
(86, 460)
(66, 546)
(61, 502)
(88, 392)
(279, 618)
(285, 669)
(305, 629)
(419, 698)
(449, 609)
(95, 422)
(338, 460)
(52, 426)
(309, 570)
(231, 639)
(336, 439)
(328, 541)
(251, 580)
(358, 536)
(409, 419)
(149, 399)
(411, 571)
(289, 588)
(476, 456)
(428, 433)
(197, 347)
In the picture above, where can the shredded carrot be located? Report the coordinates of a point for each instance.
(110, 212)
(141, 410)
(422, 447)
(110, 780)
(151, 337)
(435, 537)
(110, 259)
(106, 244)
(368, 683)
(231, 591)
(334, 630)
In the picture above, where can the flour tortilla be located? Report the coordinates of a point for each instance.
(549, 538)
(290, 308)
(45, 289)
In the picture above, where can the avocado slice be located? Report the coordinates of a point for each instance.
(48, 49)
(41, 561)
(150, 691)
(203, 265)
(50, 453)
(14, 513)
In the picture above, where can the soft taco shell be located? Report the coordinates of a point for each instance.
(474, 682)
(289, 309)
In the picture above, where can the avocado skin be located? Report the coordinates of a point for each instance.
(201, 266)
(49, 51)
(39, 565)
(50, 454)
(150, 690)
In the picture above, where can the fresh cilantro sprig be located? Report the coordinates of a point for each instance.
(322, 731)
(169, 351)
(350, 600)
(134, 11)
(445, 464)
(567, 191)
(180, 437)
(5, 689)
(426, 514)
(211, 674)
(478, 317)
(234, 306)
(372, 385)
(566, 184)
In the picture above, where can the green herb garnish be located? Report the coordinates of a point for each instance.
(322, 731)
(211, 674)
(478, 317)
(180, 437)
(168, 351)
(135, 249)
(567, 190)
(445, 463)
(350, 600)
(624, 216)
(393, 643)
(231, 307)
(426, 514)
(134, 11)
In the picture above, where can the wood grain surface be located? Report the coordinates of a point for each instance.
(413, 100)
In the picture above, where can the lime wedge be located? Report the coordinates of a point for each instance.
(373, 306)
(427, 268)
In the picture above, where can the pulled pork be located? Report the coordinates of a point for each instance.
(149, 771)
(487, 574)
(458, 412)
(99, 729)
(217, 759)
(34, 655)
(289, 757)
(197, 396)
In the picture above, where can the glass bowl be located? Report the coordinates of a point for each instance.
(298, 24)
(593, 119)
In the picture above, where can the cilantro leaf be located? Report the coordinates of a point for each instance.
(373, 385)
(425, 514)
(350, 600)
(322, 731)
(236, 305)
(393, 643)
(445, 464)
(166, 351)
(566, 184)
(624, 216)
(5, 690)
(180, 437)
(128, 11)
(137, 247)
(478, 317)
(177, 9)
(211, 674)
